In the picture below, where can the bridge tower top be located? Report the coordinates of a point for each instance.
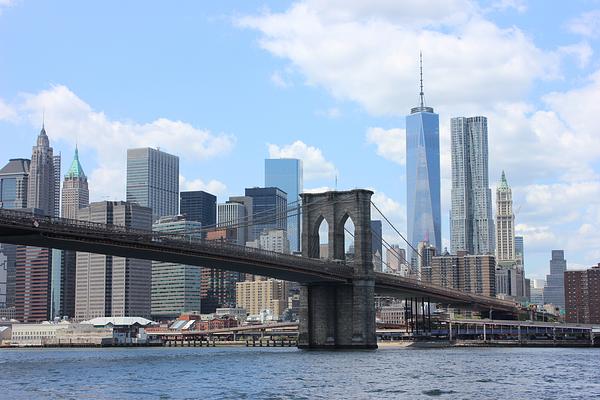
(336, 207)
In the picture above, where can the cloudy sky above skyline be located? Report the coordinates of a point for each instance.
(226, 85)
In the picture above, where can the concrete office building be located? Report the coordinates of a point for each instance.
(396, 260)
(233, 215)
(42, 186)
(426, 254)
(247, 222)
(471, 224)
(468, 273)
(153, 181)
(582, 296)
(423, 176)
(256, 296)
(287, 175)
(56, 162)
(109, 286)
(274, 240)
(175, 287)
(554, 291)
(510, 280)
(199, 206)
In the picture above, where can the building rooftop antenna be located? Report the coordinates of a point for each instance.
(422, 94)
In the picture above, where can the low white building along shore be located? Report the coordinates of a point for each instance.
(106, 331)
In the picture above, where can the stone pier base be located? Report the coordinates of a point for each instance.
(337, 316)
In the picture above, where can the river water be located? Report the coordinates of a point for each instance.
(288, 373)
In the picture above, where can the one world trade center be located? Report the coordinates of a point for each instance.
(423, 177)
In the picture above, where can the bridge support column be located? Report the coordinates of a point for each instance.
(338, 316)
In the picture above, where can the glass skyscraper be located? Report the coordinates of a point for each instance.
(13, 194)
(175, 287)
(286, 174)
(471, 223)
(554, 291)
(153, 181)
(269, 207)
(199, 206)
(423, 177)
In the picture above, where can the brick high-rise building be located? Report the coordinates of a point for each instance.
(465, 272)
(582, 296)
(217, 289)
(33, 273)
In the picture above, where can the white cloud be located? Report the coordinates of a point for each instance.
(582, 52)
(587, 24)
(362, 51)
(6, 3)
(320, 189)
(213, 186)
(314, 163)
(7, 112)
(70, 118)
(503, 5)
(391, 143)
(278, 80)
(332, 112)
(536, 238)
(572, 199)
(395, 212)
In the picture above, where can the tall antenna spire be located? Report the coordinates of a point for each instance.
(421, 69)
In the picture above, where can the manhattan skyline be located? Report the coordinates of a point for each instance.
(184, 89)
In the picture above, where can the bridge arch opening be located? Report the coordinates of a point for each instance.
(346, 232)
(322, 232)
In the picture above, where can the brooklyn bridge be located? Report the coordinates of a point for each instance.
(337, 307)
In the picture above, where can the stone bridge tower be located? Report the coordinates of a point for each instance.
(338, 315)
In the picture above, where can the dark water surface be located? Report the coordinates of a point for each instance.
(283, 373)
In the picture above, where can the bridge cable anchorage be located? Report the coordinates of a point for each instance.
(400, 234)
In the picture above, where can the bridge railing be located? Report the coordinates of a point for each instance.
(180, 240)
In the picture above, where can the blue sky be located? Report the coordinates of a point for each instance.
(226, 84)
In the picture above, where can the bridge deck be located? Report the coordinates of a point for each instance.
(18, 227)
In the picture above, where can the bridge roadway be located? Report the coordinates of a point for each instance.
(22, 228)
